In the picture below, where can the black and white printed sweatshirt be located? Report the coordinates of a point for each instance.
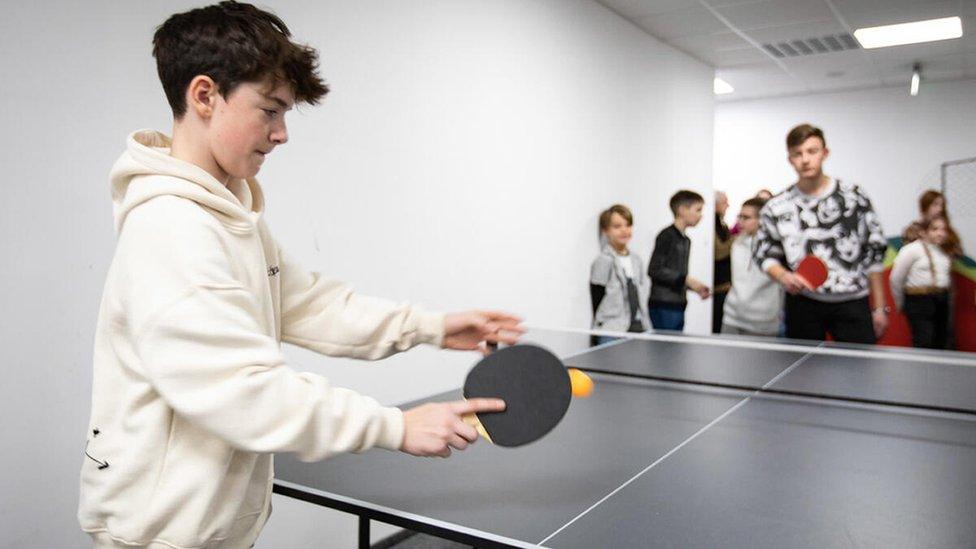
(839, 226)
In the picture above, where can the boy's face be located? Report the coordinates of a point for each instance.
(749, 220)
(619, 231)
(247, 125)
(690, 214)
(807, 158)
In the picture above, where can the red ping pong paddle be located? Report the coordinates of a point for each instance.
(535, 386)
(812, 271)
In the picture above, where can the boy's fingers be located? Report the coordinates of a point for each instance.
(477, 405)
(504, 335)
(457, 442)
(507, 338)
(468, 432)
(500, 316)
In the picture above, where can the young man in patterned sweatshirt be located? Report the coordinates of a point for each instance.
(833, 220)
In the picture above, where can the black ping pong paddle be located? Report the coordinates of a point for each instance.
(536, 389)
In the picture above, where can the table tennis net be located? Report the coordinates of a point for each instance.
(944, 382)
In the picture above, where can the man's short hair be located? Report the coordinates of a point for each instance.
(801, 133)
(619, 209)
(754, 202)
(684, 198)
(232, 43)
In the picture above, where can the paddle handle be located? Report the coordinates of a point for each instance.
(472, 420)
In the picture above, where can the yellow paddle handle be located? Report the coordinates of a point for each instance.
(472, 420)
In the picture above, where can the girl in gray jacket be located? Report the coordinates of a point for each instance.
(618, 287)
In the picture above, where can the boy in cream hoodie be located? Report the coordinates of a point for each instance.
(191, 394)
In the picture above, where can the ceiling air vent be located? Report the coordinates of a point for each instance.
(812, 46)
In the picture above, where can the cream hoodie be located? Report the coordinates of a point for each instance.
(191, 394)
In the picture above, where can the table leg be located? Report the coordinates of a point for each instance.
(363, 532)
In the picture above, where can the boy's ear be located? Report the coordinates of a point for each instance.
(201, 96)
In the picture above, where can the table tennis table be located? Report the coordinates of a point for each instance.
(698, 442)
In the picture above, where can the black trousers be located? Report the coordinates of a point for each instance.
(847, 321)
(928, 316)
(718, 311)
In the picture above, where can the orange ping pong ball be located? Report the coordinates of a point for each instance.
(581, 383)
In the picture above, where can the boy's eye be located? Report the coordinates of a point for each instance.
(270, 112)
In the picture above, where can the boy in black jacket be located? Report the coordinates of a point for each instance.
(668, 268)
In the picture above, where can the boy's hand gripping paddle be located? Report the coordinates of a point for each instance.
(535, 386)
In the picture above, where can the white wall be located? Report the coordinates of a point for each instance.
(887, 141)
(460, 161)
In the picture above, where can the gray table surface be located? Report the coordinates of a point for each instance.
(655, 464)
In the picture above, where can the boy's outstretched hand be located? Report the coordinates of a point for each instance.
(470, 330)
(432, 429)
(697, 287)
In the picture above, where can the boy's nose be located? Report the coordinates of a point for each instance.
(279, 137)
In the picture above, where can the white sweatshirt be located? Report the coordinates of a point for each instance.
(755, 301)
(191, 394)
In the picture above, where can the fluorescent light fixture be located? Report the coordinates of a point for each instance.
(909, 33)
(916, 76)
(721, 87)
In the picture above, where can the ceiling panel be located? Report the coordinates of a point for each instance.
(774, 13)
(732, 58)
(683, 22)
(637, 9)
(699, 43)
(725, 3)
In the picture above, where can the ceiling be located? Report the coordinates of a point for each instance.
(730, 35)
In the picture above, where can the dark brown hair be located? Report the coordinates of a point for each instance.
(801, 133)
(684, 198)
(619, 209)
(755, 202)
(232, 43)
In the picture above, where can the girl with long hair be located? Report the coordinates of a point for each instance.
(920, 282)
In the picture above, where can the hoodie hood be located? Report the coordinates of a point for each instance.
(146, 170)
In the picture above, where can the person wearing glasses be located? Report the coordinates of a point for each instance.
(754, 305)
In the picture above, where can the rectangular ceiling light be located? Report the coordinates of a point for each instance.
(909, 33)
(721, 87)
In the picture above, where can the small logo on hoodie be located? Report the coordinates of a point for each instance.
(273, 270)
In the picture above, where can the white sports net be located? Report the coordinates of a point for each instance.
(959, 188)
